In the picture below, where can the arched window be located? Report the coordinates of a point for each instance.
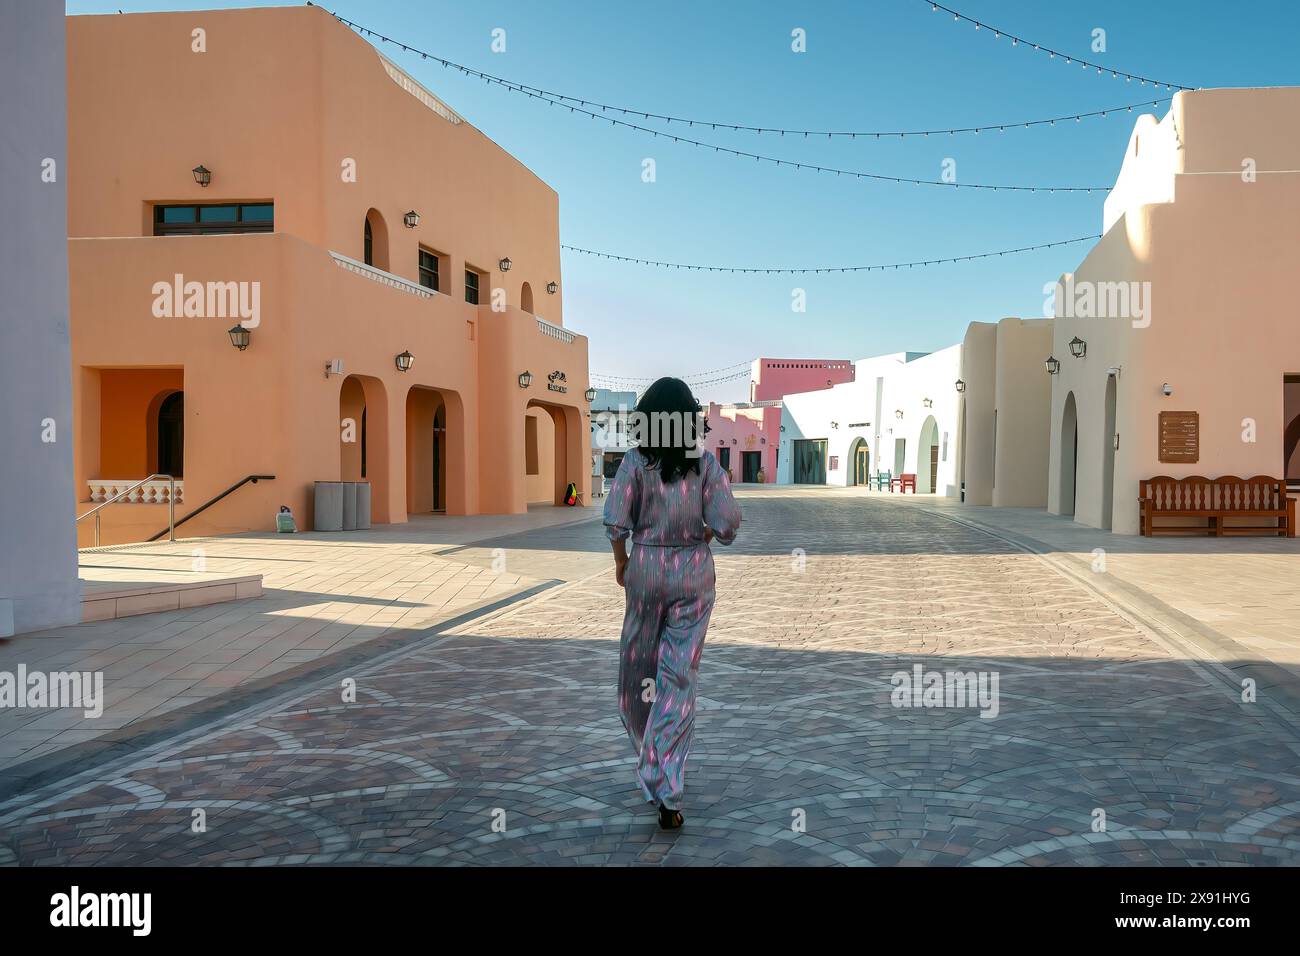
(526, 298)
(376, 241)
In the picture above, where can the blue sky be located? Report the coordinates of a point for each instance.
(879, 64)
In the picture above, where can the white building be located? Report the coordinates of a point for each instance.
(899, 415)
(609, 438)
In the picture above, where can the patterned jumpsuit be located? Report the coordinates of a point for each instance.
(669, 594)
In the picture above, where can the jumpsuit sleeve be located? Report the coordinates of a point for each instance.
(624, 501)
(721, 512)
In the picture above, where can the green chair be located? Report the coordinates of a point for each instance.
(882, 480)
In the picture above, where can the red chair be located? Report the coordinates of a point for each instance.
(906, 481)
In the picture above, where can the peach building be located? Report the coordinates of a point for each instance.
(773, 378)
(290, 258)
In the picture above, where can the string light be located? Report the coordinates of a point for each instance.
(1053, 54)
(821, 270)
(589, 107)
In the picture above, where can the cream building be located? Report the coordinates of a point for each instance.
(1004, 403)
(899, 414)
(1185, 305)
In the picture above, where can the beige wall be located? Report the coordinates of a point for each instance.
(975, 412)
(1023, 394)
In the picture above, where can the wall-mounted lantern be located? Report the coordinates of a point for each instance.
(733, 441)
(835, 424)
(898, 413)
(239, 337)
(591, 394)
(782, 428)
(1166, 390)
(1078, 347)
(202, 175)
(525, 379)
(412, 219)
(404, 361)
(504, 264)
(552, 288)
(928, 402)
(961, 386)
(762, 441)
(1053, 364)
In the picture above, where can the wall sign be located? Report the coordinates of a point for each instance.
(1180, 437)
(555, 381)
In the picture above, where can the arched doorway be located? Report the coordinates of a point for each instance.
(927, 457)
(860, 462)
(1069, 454)
(1108, 456)
(961, 448)
(363, 439)
(526, 298)
(426, 451)
(554, 452)
(170, 436)
(375, 241)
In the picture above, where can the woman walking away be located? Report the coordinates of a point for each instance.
(672, 498)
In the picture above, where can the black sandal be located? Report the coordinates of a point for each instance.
(670, 819)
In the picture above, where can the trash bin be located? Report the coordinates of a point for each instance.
(363, 505)
(328, 515)
(349, 506)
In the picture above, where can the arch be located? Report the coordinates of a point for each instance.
(526, 298)
(961, 448)
(165, 431)
(927, 457)
(1108, 456)
(426, 451)
(375, 241)
(859, 462)
(553, 438)
(363, 447)
(1069, 454)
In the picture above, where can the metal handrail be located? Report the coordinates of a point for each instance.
(171, 504)
(213, 500)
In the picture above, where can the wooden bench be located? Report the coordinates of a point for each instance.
(1215, 499)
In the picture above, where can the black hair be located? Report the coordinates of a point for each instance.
(674, 450)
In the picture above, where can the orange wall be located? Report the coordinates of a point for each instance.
(126, 403)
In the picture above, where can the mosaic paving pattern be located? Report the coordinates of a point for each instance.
(500, 742)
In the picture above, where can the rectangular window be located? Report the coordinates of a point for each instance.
(428, 269)
(531, 466)
(471, 287)
(214, 219)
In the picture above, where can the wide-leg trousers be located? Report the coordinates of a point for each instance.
(669, 597)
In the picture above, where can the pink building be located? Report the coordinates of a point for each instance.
(745, 439)
(773, 378)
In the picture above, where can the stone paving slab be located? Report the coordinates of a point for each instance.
(498, 740)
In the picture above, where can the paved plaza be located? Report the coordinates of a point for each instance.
(494, 738)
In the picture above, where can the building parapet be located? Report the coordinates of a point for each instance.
(554, 331)
(382, 277)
